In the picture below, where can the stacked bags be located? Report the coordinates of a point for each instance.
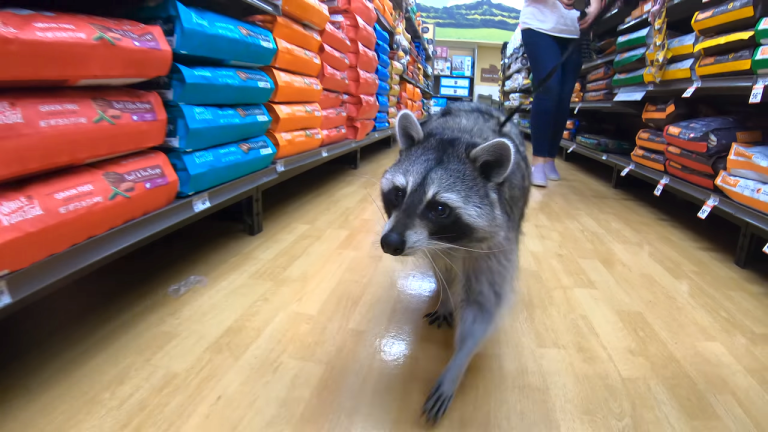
(53, 194)
(651, 145)
(355, 19)
(680, 51)
(410, 99)
(385, 116)
(216, 116)
(629, 63)
(746, 178)
(598, 84)
(578, 94)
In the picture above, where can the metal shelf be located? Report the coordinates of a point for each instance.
(238, 9)
(68, 265)
(384, 24)
(586, 67)
(419, 86)
(676, 10)
(609, 106)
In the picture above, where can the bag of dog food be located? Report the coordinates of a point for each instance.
(295, 142)
(386, 63)
(358, 129)
(330, 100)
(751, 193)
(381, 118)
(663, 114)
(695, 161)
(648, 158)
(47, 214)
(391, 112)
(47, 49)
(358, 30)
(599, 85)
(630, 60)
(392, 100)
(381, 125)
(361, 8)
(334, 58)
(368, 84)
(397, 68)
(195, 127)
(382, 74)
(726, 43)
(383, 102)
(738, 63)
(571, 124)
(364, 59)
(383, 89)
(381, 35)
(293, 88)
(288, 117)
(288, 30)
(651, 140)
(690, 175)
(292, 58)
(332, 79)
(603, 144)
(681, 48)
(334, 135)
(568, 135)
(42, 130)
(632, 40)
(748, 161)
(628, 78)
(730, 16)
(213, 85)
(333, 118)
(679, 70)
(601, 73)
(760, 60)
(307, 12)
(204, 169)
(336, 39)
(604, 95)
(200, 36)
(360, 107)
(577, 97)
(761, 32)
(381, 49)
(709, 135)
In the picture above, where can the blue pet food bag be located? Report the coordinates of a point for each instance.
(383, 101)
(194, 127)
(381, 35)
(215, 85)
(384, 61)
(382, 73)
(204, 37)
(204, 169)
(382, 49)
(381, 125)
(382, 118)
(383, 88)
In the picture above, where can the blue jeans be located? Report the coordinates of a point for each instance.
(551, 105)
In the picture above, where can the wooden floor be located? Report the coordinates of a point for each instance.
(626, 320)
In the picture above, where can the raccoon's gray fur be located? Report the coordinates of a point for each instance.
(458, 192)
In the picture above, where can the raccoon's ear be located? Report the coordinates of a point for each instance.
(494, 159)
(408, 129)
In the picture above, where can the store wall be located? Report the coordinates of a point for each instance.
(489, 58)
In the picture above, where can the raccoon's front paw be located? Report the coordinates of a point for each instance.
(438, 401)
(440, 317)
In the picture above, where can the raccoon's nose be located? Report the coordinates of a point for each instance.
(393, 243)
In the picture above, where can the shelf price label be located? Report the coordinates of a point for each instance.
(711, 202)
(757, 90)
(628, 169)
(605, 157)
(5, 295)
(572, 147)
(280, 166)
(576, 111)
(660, 186)
(690, 91)
(201, 202)
(324, 152)
(765, 251)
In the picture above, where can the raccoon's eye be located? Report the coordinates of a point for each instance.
(439, 210)
(399, 195)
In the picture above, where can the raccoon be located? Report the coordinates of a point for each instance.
(458, 194)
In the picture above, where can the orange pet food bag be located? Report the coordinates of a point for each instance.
(295, 142)
(358, 129)
(61, 49)
(288, 117)
(289, 30)
(361, 8)
(336, 39)
(333, 117)
(293, 88)
(330, 99)
(333, 57)
(292, 58)
(309, 12)
(45, 215)
(334, 135)
(331, 79)
(367, 85)
(42, 130)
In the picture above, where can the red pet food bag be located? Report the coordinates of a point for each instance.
(334, 135)
(333, 57)
(330, 99)
(361, 8)
(336, 39)
(331, 79)
(42, 130)
(361, 107)
(333, 117)
(358, 129)
(357, 30)
(367, 85)
(61, 49)
(45, 215)
(364, 59)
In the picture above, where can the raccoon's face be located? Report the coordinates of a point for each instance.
(440, 194)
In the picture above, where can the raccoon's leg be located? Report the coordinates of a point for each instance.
(475, 323)
(445, 281)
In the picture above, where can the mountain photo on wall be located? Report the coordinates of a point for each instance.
(472, 20)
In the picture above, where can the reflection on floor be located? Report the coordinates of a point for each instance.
(626, 320)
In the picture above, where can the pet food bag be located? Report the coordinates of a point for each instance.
(357, 30)
(381, 118)
(204, 169)
(750, 162)
(334, 135)
(709, 135)
(330, 99)
(294, 88)
(48, 49)
(650, 139)
(368, 84)
(690, 175)
(681, 47)
(760, 60)
(630, 60)
(377, 126)
(361, 8)
(307, 12)
(397, 68)
(386, 63)
(334, 58)
(295, 142)
(727, 43)
(383, 102)
(392, 101)
(363, 59)
(292, 58)
(603, 95)
(761, 31)
(288, 30)
(336, 39)
(288, 117)
(360, 107)
(391, 112)
(603, 144)
(662, 114)
(381, 49)
(632, 40)
(332, 79)
(42, 130)
(727, 17)
(649, 158)
(45, 215)
(333, 118)
(198, 35)
(751, 193)
(695, 161)
(738, 63)
(601, 73)
(195, 127)
(383, 89)
(358, 129)
(674, 71)
(214, 85)
(381, 35)
(383, 74)
(628, 78)
(599, 85)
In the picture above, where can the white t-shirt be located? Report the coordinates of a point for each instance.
(550, 17)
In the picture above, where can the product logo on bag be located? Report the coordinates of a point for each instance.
(10, 113)
(19, 209)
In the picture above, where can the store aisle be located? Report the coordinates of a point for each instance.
(626, 320)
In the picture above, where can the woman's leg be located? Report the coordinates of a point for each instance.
(543, 53)
(569, 73)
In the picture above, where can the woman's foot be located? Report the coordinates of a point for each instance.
(551, 170)
(539, 175)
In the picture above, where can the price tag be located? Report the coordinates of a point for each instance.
(757, 93)
(5, 295)
(630, 96)
(577, 108)
(201, 202)
(690, 91)
(280, 166)
(711, 202)
(660, 186)
(605, 157)
(324, 152)
(628, 169)
(765, 249)
(572, 147)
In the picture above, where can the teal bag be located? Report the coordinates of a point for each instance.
(204, 169)
(194, 127)
(216, 85)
